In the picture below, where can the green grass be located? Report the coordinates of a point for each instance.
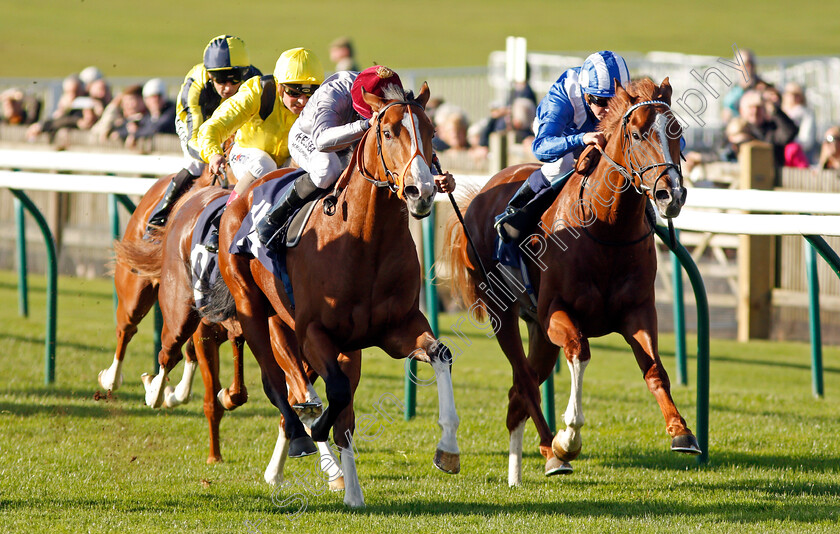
(69, 463)
(164, 38)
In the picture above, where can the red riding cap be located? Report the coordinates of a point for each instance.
(374, 80)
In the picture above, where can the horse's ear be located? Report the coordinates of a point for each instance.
(620, 91)
(665, 90)
(373, 101)
(424, 95)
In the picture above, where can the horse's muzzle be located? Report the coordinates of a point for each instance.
(670, 201)
(419, 206)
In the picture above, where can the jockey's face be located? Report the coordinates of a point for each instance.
(226, 89)
(599, 106)
(294, 100)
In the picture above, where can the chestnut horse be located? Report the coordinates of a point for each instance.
(137, 294)
(171, 268)
(593, 269)
(355, 277)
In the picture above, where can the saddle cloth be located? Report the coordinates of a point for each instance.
(247, 243)
(204, 264)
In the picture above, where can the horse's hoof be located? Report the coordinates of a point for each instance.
(214, 460)
(337, 484)
(561, 452)
(685, 443)
(169, 398)
(154, 391)
(309, 409)
(110, 382)
(556, 466)
(448, 462)
(303, 446)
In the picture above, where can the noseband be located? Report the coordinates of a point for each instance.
(394, 181)
(632, 173)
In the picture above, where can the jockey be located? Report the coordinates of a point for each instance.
(325, 135)
(261, 113)
(206, 86)
(567, 121)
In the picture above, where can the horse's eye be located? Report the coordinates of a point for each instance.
(386, 134)
(636, 136)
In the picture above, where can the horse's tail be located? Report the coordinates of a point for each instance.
(221, 305)
(456, 257)
(141, 256)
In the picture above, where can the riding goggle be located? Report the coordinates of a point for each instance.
(599, 101)
(298, 90)
(222, 77)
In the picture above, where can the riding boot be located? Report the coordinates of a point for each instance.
(173, 192)
(509, 225)
(212, 241)
(295, 197)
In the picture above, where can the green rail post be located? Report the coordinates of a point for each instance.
(702, 341)
(52, 279)
(814, 320)
(679, 318)
(547, 390)
(819, 244)
(23, 282)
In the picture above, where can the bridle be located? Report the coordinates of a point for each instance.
(394, 181)
(634, 174)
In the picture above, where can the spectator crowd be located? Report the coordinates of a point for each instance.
(753, 110)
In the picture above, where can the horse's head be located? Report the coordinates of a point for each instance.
(650, 142)
(404, 145)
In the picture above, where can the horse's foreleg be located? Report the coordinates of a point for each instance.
(135, 298)
(180, 394)
(180, 321)
(274, 471)
(323, 355)
(237, 394)
(562, 331)
(641, 334)
(542, 357)
(345, 426)
(413, 338)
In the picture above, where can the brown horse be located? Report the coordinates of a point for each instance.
(593, 264)
(171, 270)
(136, 294)
(355, 277)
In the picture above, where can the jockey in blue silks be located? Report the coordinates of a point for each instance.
(567, 121)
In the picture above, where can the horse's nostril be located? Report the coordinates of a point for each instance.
(663, 195)
(412, 192)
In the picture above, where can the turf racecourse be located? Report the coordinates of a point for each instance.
(70, 463)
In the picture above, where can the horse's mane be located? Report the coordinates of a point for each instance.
(636, 91)
(395, 92)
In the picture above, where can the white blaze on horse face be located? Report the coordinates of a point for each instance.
(660, 126)
(419, 167)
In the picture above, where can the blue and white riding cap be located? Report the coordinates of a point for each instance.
(598, 72)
